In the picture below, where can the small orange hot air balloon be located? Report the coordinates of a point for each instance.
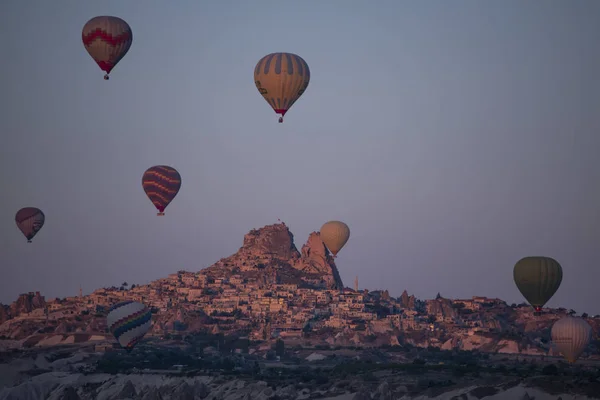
(281, 78)
(161, 184)
(107, 39)
(29, 221)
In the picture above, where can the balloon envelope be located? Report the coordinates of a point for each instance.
(29, 221)
(129, 321)
(571, 335)
(335, 234)
(161, 184)
(537, 278)
(281, 78)
(107, 39)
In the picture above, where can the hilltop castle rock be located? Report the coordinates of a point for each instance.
(269, 253)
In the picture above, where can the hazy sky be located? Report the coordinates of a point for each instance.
(454, 138)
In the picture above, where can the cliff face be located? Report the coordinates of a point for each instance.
(269, 254)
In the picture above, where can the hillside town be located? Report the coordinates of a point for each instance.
(269, 290)
(270, 313)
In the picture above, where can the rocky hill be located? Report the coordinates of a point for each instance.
(269, 253)
(268, 289)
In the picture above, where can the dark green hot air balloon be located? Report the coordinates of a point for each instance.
(538, 278)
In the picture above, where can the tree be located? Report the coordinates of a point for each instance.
(279, 348)
(439, 296)
(306, 330)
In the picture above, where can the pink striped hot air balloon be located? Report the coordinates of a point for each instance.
(161, 184)
(107, 39)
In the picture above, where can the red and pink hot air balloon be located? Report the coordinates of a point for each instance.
(29, 221)
(107, 39)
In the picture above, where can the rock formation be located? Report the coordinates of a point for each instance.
(269, 254)
(441, 308)
(316, 260)
(4, 313)
(26, 303)
(407, 301)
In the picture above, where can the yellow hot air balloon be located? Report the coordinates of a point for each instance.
(571, 335)
(335, 234)
(537, 278)
(281, 78)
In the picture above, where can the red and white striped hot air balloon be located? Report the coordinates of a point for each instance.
(107, 39)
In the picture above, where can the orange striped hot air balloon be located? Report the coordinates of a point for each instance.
(107, 39)
(161, 184)
(281, 78)
(29, 221)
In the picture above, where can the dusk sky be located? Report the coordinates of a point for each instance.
(453, 137)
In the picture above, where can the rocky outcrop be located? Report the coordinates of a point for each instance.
(441, 308)
(26, 303)
(270, 255)
(407, 301)
(4, 313)
(272, 240)
(316, 260)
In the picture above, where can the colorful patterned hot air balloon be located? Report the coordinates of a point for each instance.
(537, 278)
(281, 78)
(335, 234)
(161, 184)
(29, 221)
(107, 40)
(571, 335)
(129, 321)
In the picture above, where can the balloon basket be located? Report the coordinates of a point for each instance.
(280, 120)
(160, 214)
(106, 77)
(29, 241)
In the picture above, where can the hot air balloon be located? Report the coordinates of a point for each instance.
(129, 321)
(571, 335)
(29, 221)
(335, 234)
(107, 40)
(537, 278)
(161, 184)
(281, 78)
